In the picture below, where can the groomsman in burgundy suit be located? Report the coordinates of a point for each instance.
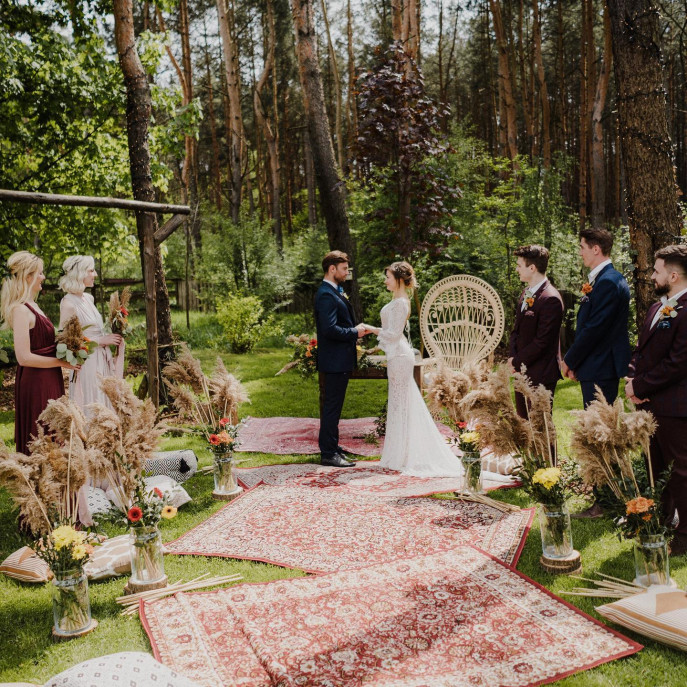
(657, 380)
(535, 339)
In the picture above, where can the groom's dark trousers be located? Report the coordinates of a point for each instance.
(336, 359)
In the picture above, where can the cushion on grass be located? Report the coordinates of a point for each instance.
(127, 668)
(25, 566)
(176, 495)
(110, 559)
(179, 465)
(502, 465)
(97, 501)
(659, 613)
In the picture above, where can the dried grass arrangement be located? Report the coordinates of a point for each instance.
(448, 388)
(112, 445)
(204, 400)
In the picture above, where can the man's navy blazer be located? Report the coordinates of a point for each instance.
(336, 333)
(602, 345)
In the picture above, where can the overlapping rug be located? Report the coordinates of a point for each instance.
(368, 477)
(454, 618)
(325, 530)
(294, 435)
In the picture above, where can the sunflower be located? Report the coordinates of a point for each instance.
(168, 512)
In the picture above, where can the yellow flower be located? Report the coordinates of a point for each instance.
(79, 552)
(65, 535)
(168, 512)
(547, 477)
(470, 437)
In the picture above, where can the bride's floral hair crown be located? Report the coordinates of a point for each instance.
(402, 271)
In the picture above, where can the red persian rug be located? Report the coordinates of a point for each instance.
(454, 618)
(368, 477)
(292, 435)
(324, 530)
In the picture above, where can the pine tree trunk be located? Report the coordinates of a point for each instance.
(338, 112)
(352, 103)
(543, 91)
(217, 195)
(652, 202)
(330, 186)
(138, 112)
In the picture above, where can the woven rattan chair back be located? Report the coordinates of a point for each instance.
(461, 320)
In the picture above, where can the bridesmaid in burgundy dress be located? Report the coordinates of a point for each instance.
(39, 374)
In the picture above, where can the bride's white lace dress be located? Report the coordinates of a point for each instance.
(413, 444)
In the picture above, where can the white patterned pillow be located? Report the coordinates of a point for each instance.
(177, 495)
(127, 668)
(110, 559)
(659, 613)
(502, 465)
(179, 465)
(97, 501)
(25, 566)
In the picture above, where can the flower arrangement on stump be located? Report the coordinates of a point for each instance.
(611, 448)
(211, 404)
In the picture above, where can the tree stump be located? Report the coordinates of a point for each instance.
(571, 564)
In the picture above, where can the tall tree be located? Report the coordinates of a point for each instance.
(652, 201)
(138, 111)
(330, 185)
(338, 99)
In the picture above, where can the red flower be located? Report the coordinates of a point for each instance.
(462, 425)
(213, 439)
(134, 514)
(313, 342)
(158, 493)
(224, 422)
(124, 312)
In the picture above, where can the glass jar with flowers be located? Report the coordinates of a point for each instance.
(468, 442)
(146, 509)
(611, 447)
(222, 445)
(66, 551)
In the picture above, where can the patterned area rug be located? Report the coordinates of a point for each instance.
(454, 618)
(291, 435)
(324, 530)
(368, 477)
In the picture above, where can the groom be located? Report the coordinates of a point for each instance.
(336, 353)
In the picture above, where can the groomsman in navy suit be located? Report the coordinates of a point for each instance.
(657, 381)
(601, 352)
(336, 353)
(535, 339)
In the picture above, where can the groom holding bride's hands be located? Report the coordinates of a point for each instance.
(336, 353)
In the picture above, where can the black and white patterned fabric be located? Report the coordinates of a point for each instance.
(127, 668)
(179, 465)
(97, 501)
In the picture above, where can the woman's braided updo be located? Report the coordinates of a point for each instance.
(404, 273)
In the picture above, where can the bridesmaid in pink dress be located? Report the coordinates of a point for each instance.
(39, 373)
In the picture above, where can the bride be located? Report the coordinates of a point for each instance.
(413, 444)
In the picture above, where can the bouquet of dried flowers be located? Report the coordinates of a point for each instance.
(210, 403)
(611, 448)
(118, 317)
(73, 345)
(447, 388)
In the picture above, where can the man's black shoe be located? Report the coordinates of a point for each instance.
(336, 461)
(342, 453)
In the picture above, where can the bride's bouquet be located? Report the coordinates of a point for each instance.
(73, 345)
(118, 317)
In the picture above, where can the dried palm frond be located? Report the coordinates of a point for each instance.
(187, 370)
(71, 335)
(226, 392)
(448, 388)
(541, 430)
(64, 417)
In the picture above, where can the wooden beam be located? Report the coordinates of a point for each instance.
(91, 202)
(168, 228)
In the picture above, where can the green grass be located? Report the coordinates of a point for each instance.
(28, 654)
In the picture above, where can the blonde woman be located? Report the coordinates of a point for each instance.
(413, 445)
(79, 275)
(39, 373)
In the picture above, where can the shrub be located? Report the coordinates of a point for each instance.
(244, 321)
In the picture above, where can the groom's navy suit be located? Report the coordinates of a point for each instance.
(601, 352)
(336, 358)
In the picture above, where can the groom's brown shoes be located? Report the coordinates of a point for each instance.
(336, 461)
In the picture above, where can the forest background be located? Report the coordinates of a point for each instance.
(458, 131)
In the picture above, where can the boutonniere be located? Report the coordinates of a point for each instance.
(345, 295)
(529, 299)
(586, 289)
(669, 310)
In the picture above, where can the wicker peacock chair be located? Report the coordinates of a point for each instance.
(461, 320)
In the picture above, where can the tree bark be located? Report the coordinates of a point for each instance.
(543, 91)
(352, 103)
(217, 195)
(268, 131)
(598, 167)
(138, 111)
(331, 187)
(338, 123)
(652, 199)
(506, 101)
(234, 118)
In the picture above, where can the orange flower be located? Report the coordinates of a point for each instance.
(586, 288)
(224, 422)
(224, 438)
(134, 514)
(158, 493)
(213, 439)
(308, 354)
(647, 517)
(666, 310)
(638, 505)
(530, 302)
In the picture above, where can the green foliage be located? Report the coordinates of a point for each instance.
(244, 321)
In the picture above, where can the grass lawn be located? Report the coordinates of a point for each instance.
(28, 654)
